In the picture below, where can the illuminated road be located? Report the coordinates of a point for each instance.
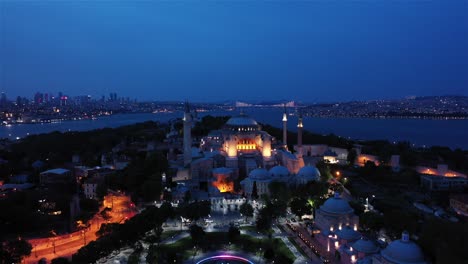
(68, 244)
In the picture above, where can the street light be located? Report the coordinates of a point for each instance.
(83, 233)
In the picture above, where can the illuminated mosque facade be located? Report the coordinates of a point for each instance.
(237, 156)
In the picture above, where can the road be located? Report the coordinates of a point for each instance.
(68, 244)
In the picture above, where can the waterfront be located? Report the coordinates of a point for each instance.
(428, 132)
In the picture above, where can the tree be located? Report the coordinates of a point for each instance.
(279, 191)
(444, 242)
(358, 207)
(280, 258)
(14, 250)
(59, 261)
(166, 210)
(197, 233)
(269, 253)
(101, 191)
(195, 210)
(254, 191)
(372, 221)
(89, 205)
(233, 233)
(107, 229)
(264, 218)
(204, 208)
(299, 207)
(352, 155)
(246, 210)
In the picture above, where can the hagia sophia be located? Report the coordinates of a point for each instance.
(232, 159)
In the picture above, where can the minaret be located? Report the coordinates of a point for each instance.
(187, 135)
(285, 128)
(299, 133)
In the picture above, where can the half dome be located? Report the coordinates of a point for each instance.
(348, 233)
(366, 246)
(310, 173)
(258, 174)
(279, 171)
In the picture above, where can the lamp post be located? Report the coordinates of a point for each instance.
(259, 255)
(194, 253)
(83, 233)
(53, 243)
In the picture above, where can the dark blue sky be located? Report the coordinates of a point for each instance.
(217, 50)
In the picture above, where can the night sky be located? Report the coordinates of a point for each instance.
(311, 51)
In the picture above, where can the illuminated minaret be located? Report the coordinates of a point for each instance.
(285, 128)
(299, 133)
(187, 135)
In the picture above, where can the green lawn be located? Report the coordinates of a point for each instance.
(254, 230)
(170, 233)
(218, 241)
(298, 247)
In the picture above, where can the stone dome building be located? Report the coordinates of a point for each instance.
(402, 251)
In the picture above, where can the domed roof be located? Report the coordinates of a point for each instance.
(241, 120)
(366, 246)
(222, 170)
(258, 174)
(309, 172)
(348, 233)
(403, 251)
(279, 171)
(336, 205)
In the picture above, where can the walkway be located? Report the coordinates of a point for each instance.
(284, 237)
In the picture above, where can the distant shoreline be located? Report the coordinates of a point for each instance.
(418, 131)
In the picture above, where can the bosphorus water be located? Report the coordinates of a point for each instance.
(421, 132)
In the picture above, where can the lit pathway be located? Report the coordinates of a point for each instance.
(300, 259)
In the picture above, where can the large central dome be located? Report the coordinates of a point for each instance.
(241, 121)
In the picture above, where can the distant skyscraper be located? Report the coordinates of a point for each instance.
(38, 98)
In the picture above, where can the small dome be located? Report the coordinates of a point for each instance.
(258, 174)
(348, 233)
(222, 170)
(336, 205)
(309, 172)
(279, 171)
(241, 120)
(403, 251)
(366, 246)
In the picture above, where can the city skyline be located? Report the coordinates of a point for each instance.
(209, 52)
